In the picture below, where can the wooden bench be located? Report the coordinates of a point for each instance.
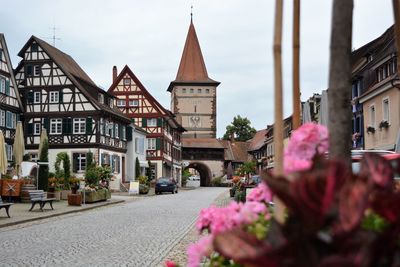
(6, 206)
(39, 196)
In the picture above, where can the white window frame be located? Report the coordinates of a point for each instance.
(123, 137)
(372, 115)
(384, 100)
(101, 98)
(134, 102)
(127, 81)
(152, 122)
(79, 126)
(36, 97)
(36, 128)
(9, 152)
(101, 126)
(34, 157)
(151, 143)
(116, 130)
(54, 97)
(9, 120)
(81, 158)
(55, 126)
(2, 85)
(121, 102)
(36, 70)
(2, 118)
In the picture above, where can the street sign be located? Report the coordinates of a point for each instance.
(134, 188)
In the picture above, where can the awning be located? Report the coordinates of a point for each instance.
(143, 163)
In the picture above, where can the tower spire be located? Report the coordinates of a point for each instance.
(191, 14)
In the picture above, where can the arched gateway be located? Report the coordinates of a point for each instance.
(203, 170)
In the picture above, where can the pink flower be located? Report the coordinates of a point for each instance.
(261, 193)
(294, 165)
(250, 212)
(170, 264)
(198, 250)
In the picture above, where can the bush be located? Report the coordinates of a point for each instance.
(143, 189)
(217, 181)
(92, 177)
(44, 170)
(143, 180)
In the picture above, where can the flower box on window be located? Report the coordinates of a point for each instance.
(370, 129)
(384, 124)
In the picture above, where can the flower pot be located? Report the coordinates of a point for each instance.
(25, 194)
(74, 199)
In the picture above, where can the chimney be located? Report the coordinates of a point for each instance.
(114, 73)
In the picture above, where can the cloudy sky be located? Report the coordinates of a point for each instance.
(235, 37)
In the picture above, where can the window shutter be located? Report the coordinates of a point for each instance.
(29, 70)
(144, 122)
(75, 162)
(46, 124)
(29, 97)
(30, 128)
(60, 97)
(66, 124)
(7, 87)
(158, 143)
(129, 133)
(120, 131)
(104, 127)
(159, 122)
(89, 125)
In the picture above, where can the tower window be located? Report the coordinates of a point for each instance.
(191, 90)
(207, 91)
(199, 91)
(184, 90)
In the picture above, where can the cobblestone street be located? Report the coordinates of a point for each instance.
(139, 233)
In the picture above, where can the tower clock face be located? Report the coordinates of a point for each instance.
(194, 121)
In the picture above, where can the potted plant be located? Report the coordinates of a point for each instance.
(74, 184)
(143, 185)
(384, 124)
(370, 129)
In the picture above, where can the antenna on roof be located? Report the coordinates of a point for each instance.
(54, 35)
(191, 14)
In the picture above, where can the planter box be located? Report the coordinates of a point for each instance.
(99, 195)
(74, 199)
(64, 194)
(11, 188)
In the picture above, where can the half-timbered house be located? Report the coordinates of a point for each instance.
(10, 102)
(79, 116)
(164, 132)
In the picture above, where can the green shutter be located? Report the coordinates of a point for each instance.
(89, 125)
(60, 96)
(30, 129)
(29, 70)
(144, 122)
(46, 124)
(158, 143)
(7, 87)
(159, 122)
(18, 117)
(67, 125)
(129, 133)
(75, 162)
(29, 97)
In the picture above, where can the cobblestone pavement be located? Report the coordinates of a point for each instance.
(138, 233)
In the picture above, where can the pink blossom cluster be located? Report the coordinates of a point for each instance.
(305, 142)
(261, 193)
(218, 220)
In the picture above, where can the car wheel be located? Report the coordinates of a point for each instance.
(173, 191)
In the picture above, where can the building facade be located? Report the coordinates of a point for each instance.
(163, 141)
(136, 149)
(10, 102)
(79, 116)
(193, 93)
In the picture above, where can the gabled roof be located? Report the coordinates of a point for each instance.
(192, 68)
(75, 73)
(258, 141)
(202, 143)
(10, 69)
(235, 151)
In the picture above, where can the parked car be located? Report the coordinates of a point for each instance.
(194, 178)
(256, 179)
(166, 184)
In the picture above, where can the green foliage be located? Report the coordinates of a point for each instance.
(44, 169)
(217, 181)
(143, 179)
(259, 228)
(137, 168)
(26, 157)
(148, 171)
(65, 172)
(96, 174)
(374, 222)
(240, 128)
(90, 163)
(240, 195)
(143, 189)
(246, 168)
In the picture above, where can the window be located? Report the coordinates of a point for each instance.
(191, 90)
(184, 90)
(127, 81)
(116, 130)
(121, 103)
(199, 91)
(2, 85)
(37, 70)
(34, 157)
(79, 161)
(36, 97)
(207, 91)
(2, 118)
(54, 96)
(385, 106)
(123, 133)
(111, 102)
(29, 70)
(110, 130)
(151, 143)
(55, 126)
(79, 126)
(139, 145)
(152, 122)
(1, 54)
(134, 103)
(101, 126)
(372, 116)
(10, 120)
(36, 128)
(34, 47)
(101, 98)
(9, 152)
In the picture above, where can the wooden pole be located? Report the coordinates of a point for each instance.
(396, 11)
(339, 94)
(296, 65)
(278, 125)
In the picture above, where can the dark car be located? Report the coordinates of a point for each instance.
(166, 184)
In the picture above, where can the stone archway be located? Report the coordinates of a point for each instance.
(204, 171)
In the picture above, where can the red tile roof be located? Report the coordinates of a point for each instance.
(258, 140)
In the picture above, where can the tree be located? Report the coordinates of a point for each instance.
(340, 80)
(240, 129)
(137, 168)
(90, 162)
(148, 171)
(44, 169)
(64, 173)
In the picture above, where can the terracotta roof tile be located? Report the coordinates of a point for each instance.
(201, 143)
(258, 140)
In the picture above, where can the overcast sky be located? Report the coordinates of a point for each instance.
(235, 38)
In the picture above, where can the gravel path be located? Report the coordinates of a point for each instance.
(139, 233)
